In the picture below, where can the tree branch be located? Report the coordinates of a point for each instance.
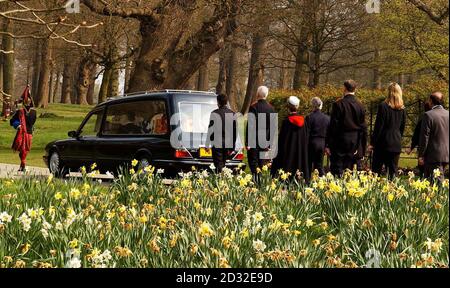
(104, 9)
(438, 18)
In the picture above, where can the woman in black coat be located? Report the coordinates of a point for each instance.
(386, 141)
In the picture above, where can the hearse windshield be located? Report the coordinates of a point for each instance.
(194, 112)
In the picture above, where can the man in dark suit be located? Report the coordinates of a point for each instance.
(347, 134)
(318, 123)
(222, 132)
(434, 142)
(258, 149)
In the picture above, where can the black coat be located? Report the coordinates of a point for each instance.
(262, 108)
(228, 133)
(389, 128)
(318, 124)
(347, 132)
(30, 119)
(292, 151)
(416, 135)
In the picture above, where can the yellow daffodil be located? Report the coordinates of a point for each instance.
(58, 196)
(205, 230)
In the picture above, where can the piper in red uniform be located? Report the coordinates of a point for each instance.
(23, 121)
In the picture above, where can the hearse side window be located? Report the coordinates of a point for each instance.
(137, 118)
(194, 116)
(92, 126)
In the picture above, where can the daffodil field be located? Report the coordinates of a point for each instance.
(226, 220)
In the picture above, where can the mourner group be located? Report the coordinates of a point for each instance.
(304, 140)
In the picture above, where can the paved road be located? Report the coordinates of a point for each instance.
(10, 171)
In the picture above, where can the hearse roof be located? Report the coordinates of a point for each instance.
(149, 94)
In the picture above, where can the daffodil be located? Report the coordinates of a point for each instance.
(205, 230)
(259, 245)
(5, 217)
(143, 219)
(74, 243)
(437, 173)
(258, 217)
(25, 248)
(226, 241)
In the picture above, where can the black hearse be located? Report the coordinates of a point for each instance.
(165, 129)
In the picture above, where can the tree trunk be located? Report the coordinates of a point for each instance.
(203, 79)
(36, 70)
(165, 60)
(301, 60)
(52, 81)
(8, 65)
(256, 71)
(1, 72)
(401, 79)
(42, 93)
(283, 80)
(103, 94)
(376, 84)
(74, 96)
(66, 89)
(113, 87)
(231, 77)
(57, 83)
(314, 66)
(91, 89)
(128, 67)
(84, 79)
(164, 64)
(221, 81)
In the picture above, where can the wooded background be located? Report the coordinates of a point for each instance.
(231, 46)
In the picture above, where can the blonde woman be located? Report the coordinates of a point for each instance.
(386, 141)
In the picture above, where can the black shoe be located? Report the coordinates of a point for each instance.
(22, 168)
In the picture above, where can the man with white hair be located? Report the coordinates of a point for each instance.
(261, 111)
(318, 123)
(292, 154)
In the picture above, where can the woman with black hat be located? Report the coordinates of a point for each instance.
(23, 121)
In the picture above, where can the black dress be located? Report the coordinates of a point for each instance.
(292, 151)
(387, 139)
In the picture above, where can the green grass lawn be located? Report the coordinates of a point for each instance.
(67, 117)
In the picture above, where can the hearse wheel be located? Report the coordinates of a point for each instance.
(144, 162)
(55, 165)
